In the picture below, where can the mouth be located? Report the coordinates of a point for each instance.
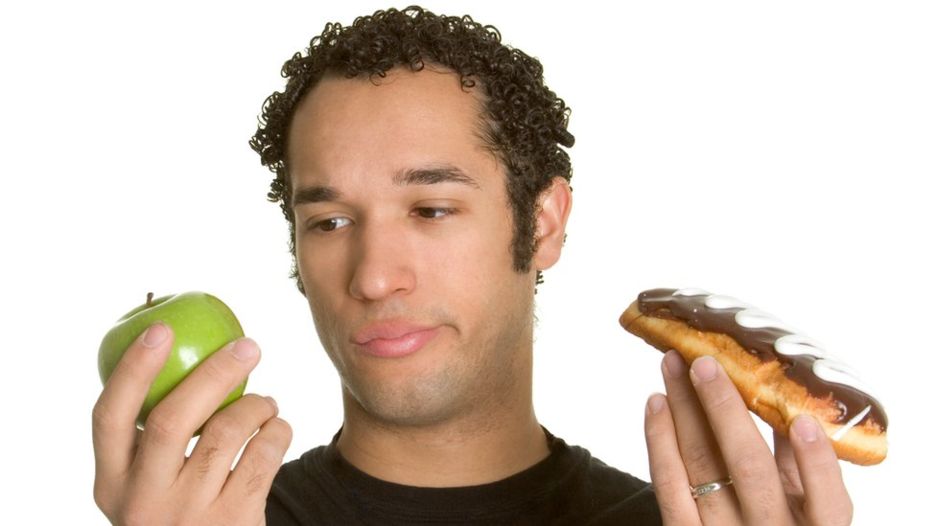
(393, 339)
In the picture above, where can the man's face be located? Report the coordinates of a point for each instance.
(403, 235)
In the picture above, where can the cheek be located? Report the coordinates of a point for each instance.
(492, 246)
(319, 266)
(471, 257)
(321, 276)
(478, 269)
(317, 277)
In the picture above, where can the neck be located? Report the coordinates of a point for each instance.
(483, 446)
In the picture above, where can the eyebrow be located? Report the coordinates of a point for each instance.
(314, 194)
(412, 176)
(435, 175)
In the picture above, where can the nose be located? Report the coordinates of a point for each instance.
(382, 263)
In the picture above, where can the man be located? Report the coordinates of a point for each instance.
(418, 164)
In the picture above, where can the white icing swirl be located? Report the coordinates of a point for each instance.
(757, 319)
(691, 292)
(837, 372)
(850, 424)
(719, 302)
(799, 345)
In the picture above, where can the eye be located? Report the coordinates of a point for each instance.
(331, 224)
(427, 212)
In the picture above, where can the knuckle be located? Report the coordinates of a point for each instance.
(790, 478)
(163, 428)
(847, 514)
(747, 467)
(664, 488)
(762, 509)
(102, 417)
(256, 483)
(253, 397)
(268, 449)
(135, 366)
(283, 429)
(668, 508)
(206, 461)
(680, 396)
(216, 369)
(135, 514)
(103, 497)
(266, 454)
(261, 403)
(261, 460)
(222, 429)
(697, 455)
(837, 514)
(719, 400)
(828, 466)
(281, 435)
(655, 427)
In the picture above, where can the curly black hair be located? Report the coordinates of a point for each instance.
(524, 121)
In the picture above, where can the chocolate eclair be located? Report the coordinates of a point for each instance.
(779, 372)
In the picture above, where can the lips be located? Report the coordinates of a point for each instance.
(393, 339)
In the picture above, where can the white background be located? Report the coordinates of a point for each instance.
(781, 153)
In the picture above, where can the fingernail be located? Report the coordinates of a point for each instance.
(703, 369)
(806, 428)
(674, 365)
(244, 349)
(155, 334)
(655, 403)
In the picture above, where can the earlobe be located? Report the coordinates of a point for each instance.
(555, 203)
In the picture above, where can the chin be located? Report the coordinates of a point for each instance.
(417, 403)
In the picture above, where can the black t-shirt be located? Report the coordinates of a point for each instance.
(567, 487)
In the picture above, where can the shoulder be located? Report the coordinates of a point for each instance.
(626, 496)
(300, 486)
(298, 471)
(619, 482)
(609, 495)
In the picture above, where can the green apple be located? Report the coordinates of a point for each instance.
(202, 324)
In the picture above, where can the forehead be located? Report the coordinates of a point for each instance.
(403, 120)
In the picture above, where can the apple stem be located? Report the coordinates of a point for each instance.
(149, 299)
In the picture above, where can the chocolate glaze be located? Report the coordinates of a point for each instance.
(661, 303)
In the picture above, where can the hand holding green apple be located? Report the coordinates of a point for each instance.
(148, 476)
(201, 323)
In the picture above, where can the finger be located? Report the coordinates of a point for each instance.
(222, 438)
(749, 460)
(113, 428)
(173, 421)
(786, 465)
(253, 476)
(697, 444)
(827, 500)
(667, 471)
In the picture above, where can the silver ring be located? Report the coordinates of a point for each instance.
(710, 487)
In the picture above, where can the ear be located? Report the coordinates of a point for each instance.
(553, 207)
